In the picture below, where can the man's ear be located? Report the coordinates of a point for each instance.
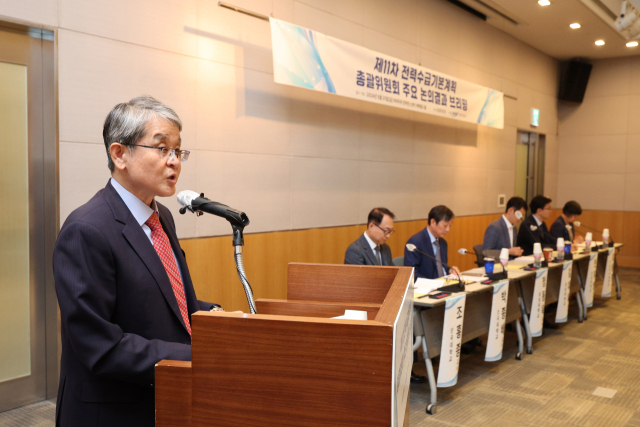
(119, 155)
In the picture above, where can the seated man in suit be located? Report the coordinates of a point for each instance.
(122, 281)
(431, 241)
(563, 225)
(501, 234)
(533, 229)
(370, 248)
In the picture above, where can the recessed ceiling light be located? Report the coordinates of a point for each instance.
(544, 2)
(599, 42)
(575, 26)
(632, 44)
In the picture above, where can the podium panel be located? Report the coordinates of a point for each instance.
(291, 365)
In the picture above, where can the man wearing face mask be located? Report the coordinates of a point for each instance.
(533, 229)
(502, 233)
(431, 241)
(563, 225)
(370, 248)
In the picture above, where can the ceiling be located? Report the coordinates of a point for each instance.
(546, 28)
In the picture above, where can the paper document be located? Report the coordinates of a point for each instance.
(472, 279)
(427, 285)
(353, 315)
(524, 259)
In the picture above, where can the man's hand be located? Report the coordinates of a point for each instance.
(516, 251)
(578, 239)
(455, 270)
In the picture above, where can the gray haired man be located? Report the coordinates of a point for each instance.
(122, 281)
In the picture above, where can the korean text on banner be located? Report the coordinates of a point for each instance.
(311, 60)
(590, 285)
(608, 273)
(451, 341)
(539, 298)
(495, 339)
(562, 312)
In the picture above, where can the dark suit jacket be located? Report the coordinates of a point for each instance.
(360, 253)
(559, 229)
(527, 237)
(118, 312)
(425, 266)
(496, 237)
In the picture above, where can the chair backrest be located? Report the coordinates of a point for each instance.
(399, 261)
(479, 256)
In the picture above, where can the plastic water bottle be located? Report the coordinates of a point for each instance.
(504, 258)
(560, 247)
(537, 255)
(588, 238)
(605, 238)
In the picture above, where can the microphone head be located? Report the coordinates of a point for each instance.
(576, 223)
(411, 247)
(463, 251)
(518, 214)
(185, 197)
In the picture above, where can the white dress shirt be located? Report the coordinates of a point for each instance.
(510, 229)
(141, 212)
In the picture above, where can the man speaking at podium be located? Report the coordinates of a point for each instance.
(122, 281)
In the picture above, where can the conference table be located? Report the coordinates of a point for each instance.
(429, 312)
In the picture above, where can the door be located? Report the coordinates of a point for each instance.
(529, 165)
(28, 216)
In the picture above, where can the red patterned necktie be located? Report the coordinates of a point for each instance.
(163, 248)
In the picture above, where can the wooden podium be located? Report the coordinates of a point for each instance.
(291, 365)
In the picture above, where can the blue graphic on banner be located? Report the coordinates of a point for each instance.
(304, 67)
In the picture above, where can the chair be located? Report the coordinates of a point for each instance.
(479, 255)
(399, 261)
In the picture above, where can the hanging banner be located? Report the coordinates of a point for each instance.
(495, 339)
(402, 357)
(608, 273)
(539, 298)
(562, 312)
(451, 341)
(589, 286)
(312, 60)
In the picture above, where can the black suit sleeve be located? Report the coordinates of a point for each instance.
(85, 280)
(354, 257)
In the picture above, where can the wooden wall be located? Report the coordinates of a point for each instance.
(266, 255)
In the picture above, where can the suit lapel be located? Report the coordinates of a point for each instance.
(140, 243)
(429, 249)
(368, 251)
(505, 232)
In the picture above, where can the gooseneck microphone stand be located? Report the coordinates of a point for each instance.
(238, 221)
(238, 243)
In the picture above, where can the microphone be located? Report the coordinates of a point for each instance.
(577, 224)
(197, 203)
(494, 276)
(456, 287)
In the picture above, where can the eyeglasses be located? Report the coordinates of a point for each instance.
(168, 153)
(385, 230)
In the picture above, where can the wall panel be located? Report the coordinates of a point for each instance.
(267, 254)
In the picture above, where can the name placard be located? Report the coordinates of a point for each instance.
(589, 286)
(608, 273)
(451, 341)
(539, 298)
(562, 313)
(495, 339)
